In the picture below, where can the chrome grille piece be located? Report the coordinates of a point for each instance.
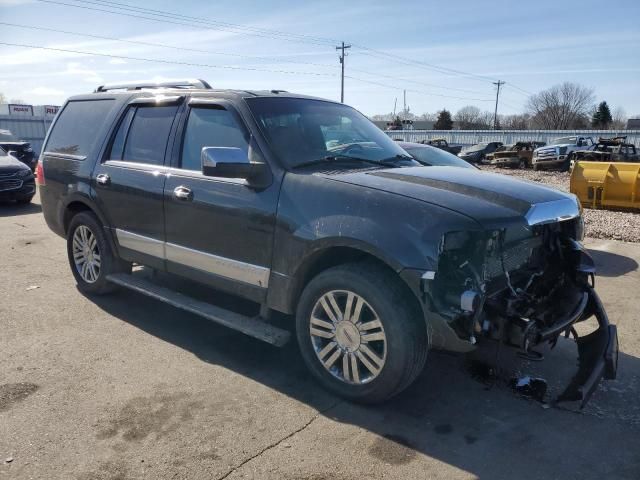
(12, 184)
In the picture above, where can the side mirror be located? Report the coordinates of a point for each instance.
(234, 162)
(227, 162)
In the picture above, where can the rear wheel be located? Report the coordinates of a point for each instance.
(359, 334)
(90, 255)
(522, 163)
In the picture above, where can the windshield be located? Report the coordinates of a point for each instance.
(436, 157)
(7, 136)
(302, 130)
(565, 140)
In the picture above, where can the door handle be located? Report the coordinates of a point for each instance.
(103, 179)
(183, 193)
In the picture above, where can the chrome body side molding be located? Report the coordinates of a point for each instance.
(207, 262)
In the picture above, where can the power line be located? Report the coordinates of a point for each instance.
(228, 67)
(171, 62)
(169, 17)
(209, 52)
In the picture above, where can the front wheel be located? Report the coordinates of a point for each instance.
(359, 333)
(90, 255)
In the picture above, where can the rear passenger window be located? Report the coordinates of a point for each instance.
(79, 126)
(210, 127)
(142, 135)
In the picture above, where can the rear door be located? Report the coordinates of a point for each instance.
(221, 232)
(129, 182)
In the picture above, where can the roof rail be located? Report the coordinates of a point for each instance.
(197, 83)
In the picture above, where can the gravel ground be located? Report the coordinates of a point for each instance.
(605, 224)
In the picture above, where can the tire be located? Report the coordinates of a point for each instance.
(83, 228)
(566, 165)
(522, 164)
(536, 167)
(400, 355)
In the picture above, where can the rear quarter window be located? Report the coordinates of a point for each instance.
(78, 127)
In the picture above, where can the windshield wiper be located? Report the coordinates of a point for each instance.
(347, 158)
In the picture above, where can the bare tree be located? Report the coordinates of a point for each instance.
(561, 107)
(619, 119)
(3, 99)
(467, 117)
(516, 121)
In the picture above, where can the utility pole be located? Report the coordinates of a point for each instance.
(404, 104)
(342, 48)
(495, 113)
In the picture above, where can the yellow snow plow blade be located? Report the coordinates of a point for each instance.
(606, 184)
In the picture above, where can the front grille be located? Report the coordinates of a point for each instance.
(547, 154)
(12, 184)
(515, 256)
(6, 175)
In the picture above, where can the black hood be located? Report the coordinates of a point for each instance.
(491, 199)
(10, 164)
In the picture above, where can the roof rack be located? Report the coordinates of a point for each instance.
(197, 83)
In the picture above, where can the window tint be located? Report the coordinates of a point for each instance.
(148, 134)
(210, 127)
(117, 147)
(77, 129)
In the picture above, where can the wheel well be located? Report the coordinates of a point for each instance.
(334, 256)
(71, 211)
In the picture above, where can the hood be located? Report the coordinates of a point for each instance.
(10, 164)
(493, 200)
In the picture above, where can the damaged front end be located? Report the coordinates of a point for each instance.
(524, 285)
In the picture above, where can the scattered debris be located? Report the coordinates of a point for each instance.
(8, 460)
(32, 287)
(530, 387)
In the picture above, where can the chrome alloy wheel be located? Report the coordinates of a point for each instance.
(348, 337)
(86, 254)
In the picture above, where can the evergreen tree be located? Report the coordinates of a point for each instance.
(601, 117)
(444, 121)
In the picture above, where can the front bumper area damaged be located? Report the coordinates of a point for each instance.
(525, 288)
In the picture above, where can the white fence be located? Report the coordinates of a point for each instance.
(471, 137)
(30, 129)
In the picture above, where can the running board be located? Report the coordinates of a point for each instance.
(252, 326)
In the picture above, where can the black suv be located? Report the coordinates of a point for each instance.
(306, 208)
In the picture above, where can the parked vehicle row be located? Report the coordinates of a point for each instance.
(375, 251)
(559, 155)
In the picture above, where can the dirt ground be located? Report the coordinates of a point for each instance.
(124, 387)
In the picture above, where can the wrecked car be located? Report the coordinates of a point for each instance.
(306, 209)
(477, 153)
(608, 150)
(516, 156)
(442, 144)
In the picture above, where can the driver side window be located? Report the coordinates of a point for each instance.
(210, 127)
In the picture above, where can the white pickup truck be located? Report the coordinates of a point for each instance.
(558, 153)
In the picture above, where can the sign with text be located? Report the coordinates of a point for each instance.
(51, 110)
(15, 109)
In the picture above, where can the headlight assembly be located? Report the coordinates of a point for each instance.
(24, 173)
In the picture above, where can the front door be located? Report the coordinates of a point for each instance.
(129, 183)
(218, 230)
